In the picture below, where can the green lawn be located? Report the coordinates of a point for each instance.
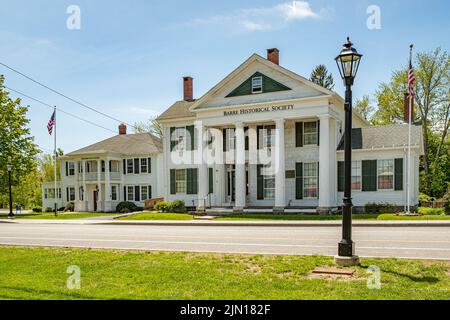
(158, 216)
(41, 273)
(61, 216)
(292, 217)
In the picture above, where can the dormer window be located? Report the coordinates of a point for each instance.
(257, 84)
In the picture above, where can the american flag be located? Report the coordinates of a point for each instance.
(411, 79)
(51, 123)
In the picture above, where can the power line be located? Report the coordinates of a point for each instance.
(60, 110)
(72, 115)
(64, 96)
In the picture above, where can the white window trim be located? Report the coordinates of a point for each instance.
(360, 175)
(310, 133)
(70, 194)
(180, 137)
(260, 79)
(185, 181)
(268, 177)
(128, 193)
(69, 165)
(317, 181)
(117, 193)
(393, 176)
(141, 165)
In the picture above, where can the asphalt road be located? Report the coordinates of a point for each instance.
(401, 242)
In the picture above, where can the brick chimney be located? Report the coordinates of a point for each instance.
(273, 55)
(188, 90)
(122, 129)
(406, 108)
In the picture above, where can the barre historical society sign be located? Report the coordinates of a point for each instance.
(258, 110)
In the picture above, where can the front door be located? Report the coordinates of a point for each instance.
(95, 201)
(230, 184)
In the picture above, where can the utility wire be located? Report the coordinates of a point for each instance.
(65, 96)
(72, 115)
(60, 110)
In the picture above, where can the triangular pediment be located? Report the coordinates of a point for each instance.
(278, 84)
(267, 85)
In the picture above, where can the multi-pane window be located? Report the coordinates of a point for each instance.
(356, 175)
(179, 137)
(310, 180)
(130, 193)
(49, 193)
(144, 193)
(130, 166)
(71, 167)
(269, 182)
(268, 136)
(113, 193)
(71, 194)
(386, 174)
(230, 139)
(310, 133)
(144, 165)
(180, 181)
(257, 85)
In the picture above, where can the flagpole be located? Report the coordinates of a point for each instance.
(56, 161)
(408, 185)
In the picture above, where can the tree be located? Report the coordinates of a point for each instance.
(321, 77)
(364, 108)
(432, 70)
(47, 166)
(151, 126)
(16, 145)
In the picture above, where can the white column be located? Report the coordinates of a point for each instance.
(280, 190)
(240, 167)
(219, 174)
(202, 166)
(85, 195)
(107, 207)
(327, 159)
(99, 184)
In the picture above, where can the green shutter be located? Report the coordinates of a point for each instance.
(246, 138)
(258, 136)
(190, 130)
(172, 143)
(137, 194)
(318, 132)
(172, 182)
(269, 85)
(224, 140)
(299, 180)
(259, 182)
(299, 134)
(340, 176)
(192, 181)
(369, 175)
(398, 167)
(211, 180)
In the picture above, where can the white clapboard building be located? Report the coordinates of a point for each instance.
(126, 167)
(262, 139)
(273, 140)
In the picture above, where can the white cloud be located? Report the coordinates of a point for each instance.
(262, 18)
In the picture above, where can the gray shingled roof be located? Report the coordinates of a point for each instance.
(179, 109)
(130, 144)
(384, 137)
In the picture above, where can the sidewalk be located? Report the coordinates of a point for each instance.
(241, 223)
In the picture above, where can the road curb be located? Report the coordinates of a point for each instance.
(273, 224)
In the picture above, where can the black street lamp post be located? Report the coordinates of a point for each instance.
(348, 63)
(9, 167)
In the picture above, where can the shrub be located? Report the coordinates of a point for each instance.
(48, 209)
(139, 209)
(177, 206)
(431, 211)
(447, 207)
(37, 209)
(424, 197)
(70, 207)
(62, 209)
(379, 208)
(125, 207)
(162, 206)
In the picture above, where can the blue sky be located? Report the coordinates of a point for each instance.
(128, 58)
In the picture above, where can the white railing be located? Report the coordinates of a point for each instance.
(93, 176)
